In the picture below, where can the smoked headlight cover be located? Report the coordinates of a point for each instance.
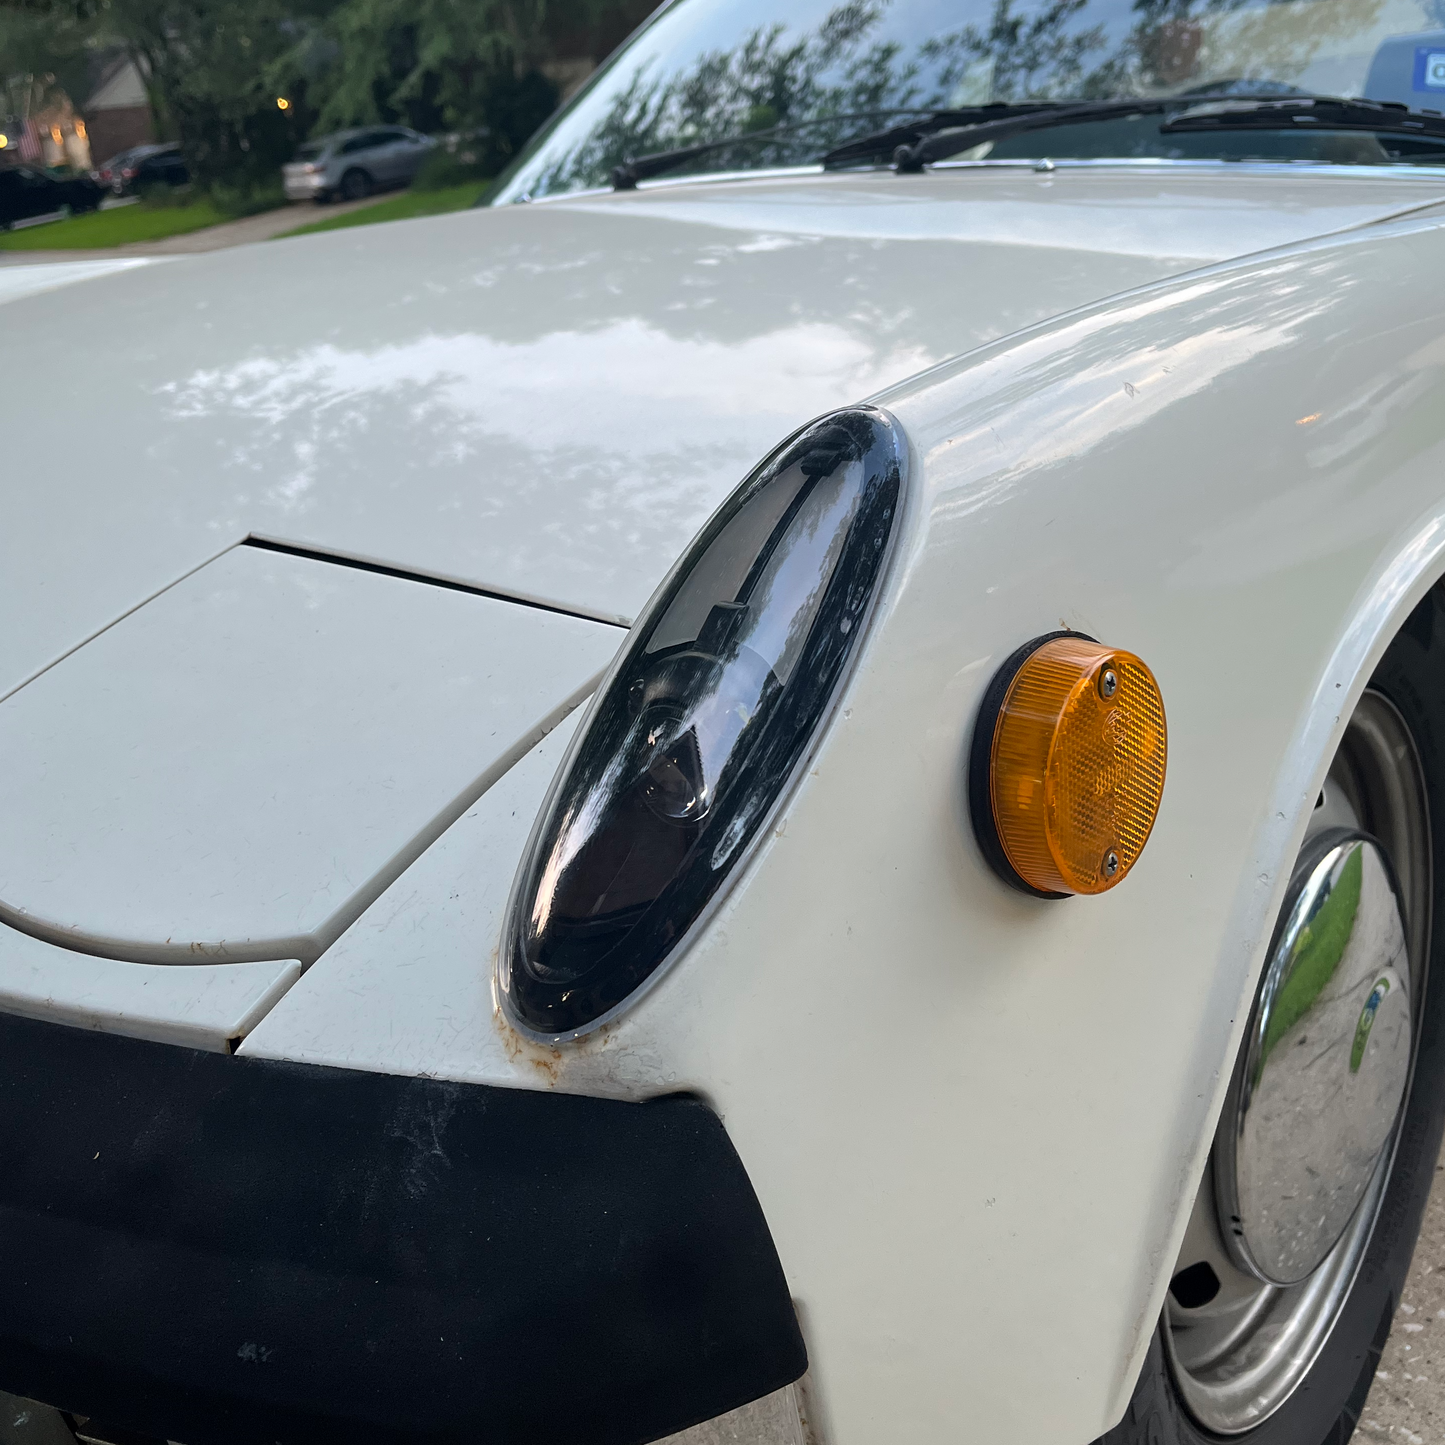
(701, 723)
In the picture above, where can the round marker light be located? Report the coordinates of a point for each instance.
(1067, 766)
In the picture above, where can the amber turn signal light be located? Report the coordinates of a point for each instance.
(1067, 766)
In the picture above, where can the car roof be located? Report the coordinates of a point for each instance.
(135, 153)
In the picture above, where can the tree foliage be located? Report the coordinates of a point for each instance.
(216, 68)
(206, 66)
(467, 65)
(40, 54)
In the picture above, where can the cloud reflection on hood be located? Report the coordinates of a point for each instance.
(535, 436)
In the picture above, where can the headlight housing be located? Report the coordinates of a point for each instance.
(704, 718)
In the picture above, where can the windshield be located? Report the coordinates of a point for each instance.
(816, 73)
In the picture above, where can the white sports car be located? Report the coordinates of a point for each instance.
(795, 765)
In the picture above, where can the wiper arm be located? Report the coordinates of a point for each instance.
(640, 168)
(943, 133)
(913, 156)
(886, 142)
(1320, 112)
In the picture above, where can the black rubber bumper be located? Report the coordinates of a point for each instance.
(202, 1248)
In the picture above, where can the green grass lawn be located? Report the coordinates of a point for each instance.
(114, 228)
(401, 207)
(142, 222)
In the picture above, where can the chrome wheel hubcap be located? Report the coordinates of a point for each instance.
(1324, 1066)
(1306, 1139)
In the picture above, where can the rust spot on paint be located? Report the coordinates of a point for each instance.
(549, 1060)
(546, 1059)
(547, 1065)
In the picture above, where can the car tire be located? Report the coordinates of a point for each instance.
(1325, 1405)
(355, 184)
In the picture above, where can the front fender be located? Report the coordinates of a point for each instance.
(977, 1121)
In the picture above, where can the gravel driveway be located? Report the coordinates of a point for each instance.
(1407, 1403)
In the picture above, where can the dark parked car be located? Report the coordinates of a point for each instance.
(109, 175)
(148, 165)
(26, 191)
(159, 168)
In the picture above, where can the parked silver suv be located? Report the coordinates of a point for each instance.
(353, 163)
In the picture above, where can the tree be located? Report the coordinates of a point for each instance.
(38, 50)
(469, 65)
(205, 67)
(215, 69)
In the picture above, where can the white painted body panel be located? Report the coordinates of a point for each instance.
(207, 1006)
(234, 770)
(19, 281)
(553, 403)
(422, 954)
(975, 1121)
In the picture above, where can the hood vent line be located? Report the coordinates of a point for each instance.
(336, 559)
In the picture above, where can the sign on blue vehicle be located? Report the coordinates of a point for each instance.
(1430, 69)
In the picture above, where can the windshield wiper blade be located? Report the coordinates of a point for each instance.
(913, 157)
(939, 134)
(640, 168)
(886, 142)
(1321, 112)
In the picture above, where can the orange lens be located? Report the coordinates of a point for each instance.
(1077, 766)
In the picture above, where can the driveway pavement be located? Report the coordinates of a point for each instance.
(213, 238)
(773, 1420)
(1406, 1406)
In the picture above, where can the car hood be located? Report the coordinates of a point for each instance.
(221, 751)
(544, 400)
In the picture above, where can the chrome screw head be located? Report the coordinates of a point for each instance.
(1111, 863)
(1108, 682)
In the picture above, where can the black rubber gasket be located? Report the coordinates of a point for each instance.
(227, 1251)
(980, 756)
